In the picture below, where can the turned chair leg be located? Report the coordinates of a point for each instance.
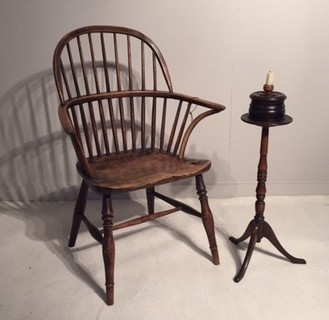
(207, 218)
(108, 248)
(79, 211)
(150, 200)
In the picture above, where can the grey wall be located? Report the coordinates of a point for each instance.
(220, 50)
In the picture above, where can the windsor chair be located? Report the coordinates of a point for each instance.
(128, 127)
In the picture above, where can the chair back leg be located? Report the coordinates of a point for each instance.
(207, 218)
(108, 248)
(79, 211)
(150, 199)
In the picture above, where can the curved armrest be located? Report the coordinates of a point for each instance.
(200, 102)
(65, 120)
(190, 129)
(182, 136)
(139, 93)
(69, 129)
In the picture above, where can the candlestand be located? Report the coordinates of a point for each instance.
(266, 110)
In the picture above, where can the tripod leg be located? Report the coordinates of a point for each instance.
(247, 258)
(269, 234)
(246, 234)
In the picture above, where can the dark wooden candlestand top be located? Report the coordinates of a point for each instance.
(266, 110)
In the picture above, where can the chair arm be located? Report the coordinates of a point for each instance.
(200, 102)
(69, 129)
(65, 119)
(190, 128)
(212, 106)
(139, 93)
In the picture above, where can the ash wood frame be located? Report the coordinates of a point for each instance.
(75, 99)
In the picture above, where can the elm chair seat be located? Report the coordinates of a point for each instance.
(139, 170)
(129, 129)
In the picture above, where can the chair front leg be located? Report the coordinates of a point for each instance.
(79, 211)
(207, 218)
(108, 248)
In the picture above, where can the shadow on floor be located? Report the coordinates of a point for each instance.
(50, 223)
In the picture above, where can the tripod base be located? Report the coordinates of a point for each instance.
(256, 231)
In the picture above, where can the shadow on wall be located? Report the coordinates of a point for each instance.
(36, 158)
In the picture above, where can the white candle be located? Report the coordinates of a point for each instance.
(269, 78)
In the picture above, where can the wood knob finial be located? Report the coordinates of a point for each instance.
(268, 88)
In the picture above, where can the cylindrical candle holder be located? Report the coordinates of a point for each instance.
(267, 108)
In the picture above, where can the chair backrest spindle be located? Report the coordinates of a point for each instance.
(155, 84)
(96, 60)
(143, 65)
(163, 124)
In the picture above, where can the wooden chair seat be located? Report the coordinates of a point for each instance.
(138, 170)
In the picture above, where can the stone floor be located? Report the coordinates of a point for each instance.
(163, 268)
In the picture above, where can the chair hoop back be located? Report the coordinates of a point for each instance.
(96, 59)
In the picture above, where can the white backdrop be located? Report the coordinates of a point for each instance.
(219, 50)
